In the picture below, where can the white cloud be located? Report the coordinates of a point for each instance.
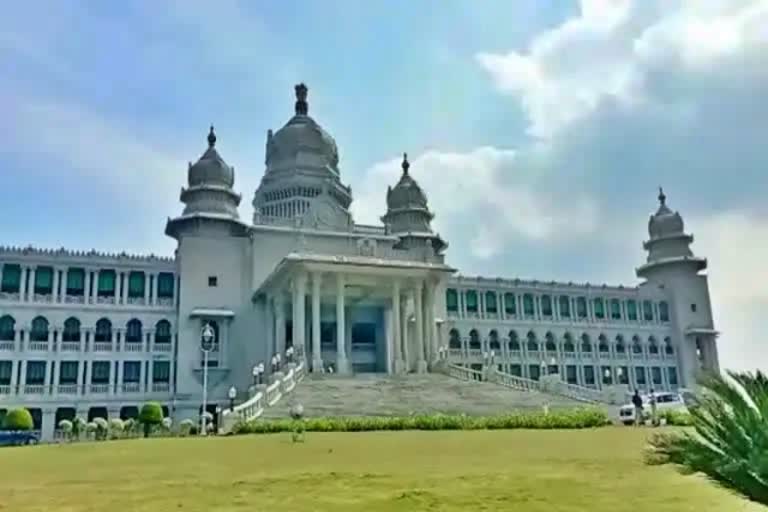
(487, 185)
(611, 48)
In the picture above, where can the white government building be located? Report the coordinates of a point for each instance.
(98, 334)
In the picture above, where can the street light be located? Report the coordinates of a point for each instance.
(258, 370)
(232, 395)
(289, 354)
(207, 337)
(277, 360)
(273, 364)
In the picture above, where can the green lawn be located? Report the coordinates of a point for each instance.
(587, 470)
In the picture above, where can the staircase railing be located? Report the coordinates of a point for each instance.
(254, 406)
(463, 373)
(515, 382)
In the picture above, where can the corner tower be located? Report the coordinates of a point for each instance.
(671, 265)
(408, 214)
(302, 183)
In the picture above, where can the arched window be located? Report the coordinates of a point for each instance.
(550, 343)
(669, 349)
(471, 298)
(454, 339)
(451, 300)
(514, 342)
(637, 347)
(39, 331)
(598, 306)
(71, 330)
(586, 343)
(568, 345)
(531, 343)
(653, 347)
(602, 343)
(510, 305)
(493, 340)
(163, 331)
(133, 331)
(663, 311)
(615, 309)
(647, 311)
(620, 347)
(103, 330)
(581, 307)
(474, 340)
(528, 309)
(490, 302)
(565, 306)
(7, 328)
(546, 305)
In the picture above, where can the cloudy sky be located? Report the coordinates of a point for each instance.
(539, 128)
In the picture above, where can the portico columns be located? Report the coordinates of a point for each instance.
(280, 323)
(429, 323)
(342, 365)
(317, 360)
(421, 364)
(300, 292)
(397, 329)
(404, 330)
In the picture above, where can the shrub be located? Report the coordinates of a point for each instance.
(78, 427)
(66, 427)
(150, 416)
(18, 419)
(116, 427)
(677, 418)
(572, 419)
(186, 426)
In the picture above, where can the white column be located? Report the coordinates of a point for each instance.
(31, 288)
(147, 286)
(87, 291)
(95, 295)
(317, 358)
(342, 365)
(126, 275)
(55, 291)
(429, 323)
(118, 286)
(23, 284)
(81, 376)
(421, 364)
(119, 380)
(397, 329)
(404, 321)
(153, 297)
(500, 305)
(279, 303)
(298, 306)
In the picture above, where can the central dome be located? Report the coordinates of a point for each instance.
(302, 134)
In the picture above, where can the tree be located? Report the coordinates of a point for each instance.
(18, 419)
(729, 439)
(151, 415)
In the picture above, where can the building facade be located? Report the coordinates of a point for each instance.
(96, 335)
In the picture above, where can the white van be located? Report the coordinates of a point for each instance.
(665, 400)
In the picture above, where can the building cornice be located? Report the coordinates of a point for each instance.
(479, 281)
(91, 257)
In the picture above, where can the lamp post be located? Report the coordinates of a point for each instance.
(207, 336)
(277, 361)
(258, 371)
(607, 375)
(289, 354)
(232, 395)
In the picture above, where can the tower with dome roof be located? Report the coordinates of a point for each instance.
(672, 266)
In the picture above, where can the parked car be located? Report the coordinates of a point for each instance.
(665, 400)
(18, 438)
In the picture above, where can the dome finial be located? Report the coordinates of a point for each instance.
(662, 197)
(211, 138)
(405, 164)
(301, 99)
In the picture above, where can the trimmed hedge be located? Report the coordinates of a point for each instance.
(18, 419)
(677, 418)
(571, 419)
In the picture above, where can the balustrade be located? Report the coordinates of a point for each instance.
(99, 389)
(37, 346)
(133, 346)
(7, 346)
(102, 346)
(67, 389)
(131, 387)
(69, 346)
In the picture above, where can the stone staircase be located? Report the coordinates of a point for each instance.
(385, 395)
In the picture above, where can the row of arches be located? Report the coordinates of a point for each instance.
(568, 343)
(40, 329)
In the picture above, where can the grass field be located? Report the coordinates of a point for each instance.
(586, 470)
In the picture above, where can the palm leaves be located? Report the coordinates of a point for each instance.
(729, 441)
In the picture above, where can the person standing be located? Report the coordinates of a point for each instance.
(652, 400)
(637, 401)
